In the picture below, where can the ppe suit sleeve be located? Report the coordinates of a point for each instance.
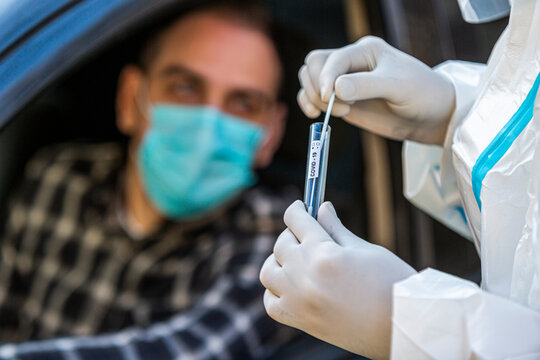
(428, 175)
(439, 316)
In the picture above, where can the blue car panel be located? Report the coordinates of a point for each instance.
(41, 40)
(20, 18)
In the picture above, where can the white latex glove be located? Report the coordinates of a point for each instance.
(380, 89)
(326, 281)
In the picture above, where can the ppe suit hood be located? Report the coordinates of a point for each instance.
(482, 11)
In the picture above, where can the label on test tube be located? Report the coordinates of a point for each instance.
(315, 158)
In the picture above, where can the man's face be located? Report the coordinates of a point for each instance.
(205, 59)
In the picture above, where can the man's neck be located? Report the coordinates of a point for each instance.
(137, 205)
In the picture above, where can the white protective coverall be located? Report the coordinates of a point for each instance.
(490, 170)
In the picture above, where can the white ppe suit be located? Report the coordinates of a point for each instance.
(485, 184)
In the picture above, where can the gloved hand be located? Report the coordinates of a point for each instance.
(380, 89)
(326, 281)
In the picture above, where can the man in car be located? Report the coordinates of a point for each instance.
(160, 241)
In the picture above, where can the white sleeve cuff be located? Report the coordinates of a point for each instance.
(439, 316)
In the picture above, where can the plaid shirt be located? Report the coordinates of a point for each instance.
(190, 290)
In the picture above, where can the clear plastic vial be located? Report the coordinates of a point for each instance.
(317, 161)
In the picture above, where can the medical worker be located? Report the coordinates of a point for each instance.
(471, 160)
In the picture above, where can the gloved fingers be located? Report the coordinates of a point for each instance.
(312, 94)
(332, 225)
(314, 63)
(271, 275)
(304, 227)
(309, 79)
(278, 309)
(316, 58)
(375, 116)
(285, 245)
(360, 56)
(272, 305)
(307, 107)
(368, 85)
(309, 88)
(338, 110)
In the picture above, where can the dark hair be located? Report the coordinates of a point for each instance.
(251, 13)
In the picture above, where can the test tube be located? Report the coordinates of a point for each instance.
(317, 161)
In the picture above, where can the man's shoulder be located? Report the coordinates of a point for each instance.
(84, 159)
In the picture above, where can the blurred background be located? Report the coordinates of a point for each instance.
(59, 86)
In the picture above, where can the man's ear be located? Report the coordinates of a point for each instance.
(274, 135)
(127, 110)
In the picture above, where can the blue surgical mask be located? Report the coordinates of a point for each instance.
(193, 159)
